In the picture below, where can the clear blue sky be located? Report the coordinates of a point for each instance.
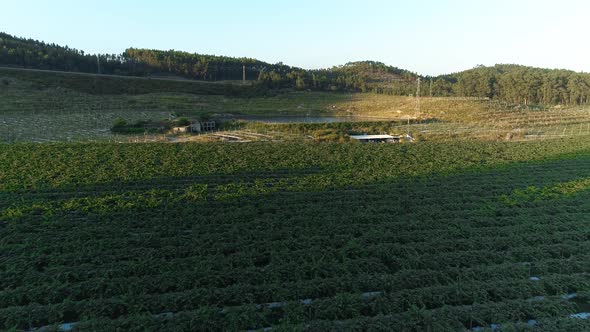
(428, 36)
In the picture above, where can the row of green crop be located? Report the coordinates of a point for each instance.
(558, 253)
(220, 271)
(460, 237)
(530, 234)
(499, 295)
(381, 214)
(386, 207)
(182, 280)
(418, 319)
(58, 166)
(401, 193)
(336, 249)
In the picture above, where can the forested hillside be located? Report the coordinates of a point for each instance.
(525, 85)
(29, 53)
(358, 76)
(510, 83)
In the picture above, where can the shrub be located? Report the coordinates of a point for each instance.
(330, 135)
(119, 123)
(182, 122)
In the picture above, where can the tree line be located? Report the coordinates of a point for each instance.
(511, 83)
(29, 53)
(524, 85)
(359, 76)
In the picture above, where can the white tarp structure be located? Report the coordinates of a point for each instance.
(376, 138)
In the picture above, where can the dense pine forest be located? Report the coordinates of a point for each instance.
(510, 83)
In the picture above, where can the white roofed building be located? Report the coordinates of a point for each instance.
(376, 138)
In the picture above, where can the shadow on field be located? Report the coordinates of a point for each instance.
(242, 240)
(479, 186)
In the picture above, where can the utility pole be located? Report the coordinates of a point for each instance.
(431, 87)
(98, 63)
(417, 109)
(417, 96)
(244, 74)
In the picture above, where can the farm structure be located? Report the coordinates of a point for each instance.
(377, 138)
(198, 126)
(195, 127)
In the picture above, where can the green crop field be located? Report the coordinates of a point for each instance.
(295, 236)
